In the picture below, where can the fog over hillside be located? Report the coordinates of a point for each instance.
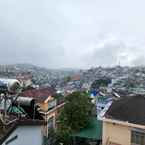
(72, 33)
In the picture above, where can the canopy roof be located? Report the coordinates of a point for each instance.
(92, 131)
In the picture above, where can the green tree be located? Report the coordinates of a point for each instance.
(103, 82)
(74, 116)
(67, 79)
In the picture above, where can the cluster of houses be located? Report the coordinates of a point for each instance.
(122, 117)
(28, 116)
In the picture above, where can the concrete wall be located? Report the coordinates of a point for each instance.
(26, 135)
(116, 133)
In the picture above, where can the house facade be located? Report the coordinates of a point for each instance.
(124, 122)
(48, 106)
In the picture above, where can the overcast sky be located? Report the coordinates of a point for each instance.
(72, 33)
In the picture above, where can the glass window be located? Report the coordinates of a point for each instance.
(50, 123)
(137, 138)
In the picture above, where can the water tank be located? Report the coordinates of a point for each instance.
(25, 101)
(9, 85)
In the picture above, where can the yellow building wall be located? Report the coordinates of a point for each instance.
(116, 133)
(44, 106)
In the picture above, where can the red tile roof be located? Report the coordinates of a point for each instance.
(75, 78)
(40, 94)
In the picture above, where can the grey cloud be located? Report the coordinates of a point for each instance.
(71, 33)
(108, 52)
(139, 61)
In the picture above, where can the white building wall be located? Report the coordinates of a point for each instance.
(26, 135)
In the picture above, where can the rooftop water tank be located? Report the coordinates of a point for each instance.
(9, 85)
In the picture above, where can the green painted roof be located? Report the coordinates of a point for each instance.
(15, 109)
(93, 131)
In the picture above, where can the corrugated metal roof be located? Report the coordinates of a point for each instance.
(93, 131)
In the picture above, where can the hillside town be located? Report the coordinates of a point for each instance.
(72, 72)
(110, 102)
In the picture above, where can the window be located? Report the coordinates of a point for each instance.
(138, 138)
(50, 122)
(50, 126)
(51, 104)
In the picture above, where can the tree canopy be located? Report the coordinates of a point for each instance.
(75, 115)
(100, 82)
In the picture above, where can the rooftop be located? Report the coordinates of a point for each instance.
(40, 94)
(6, 130)
(93, 131)
(130, 109)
